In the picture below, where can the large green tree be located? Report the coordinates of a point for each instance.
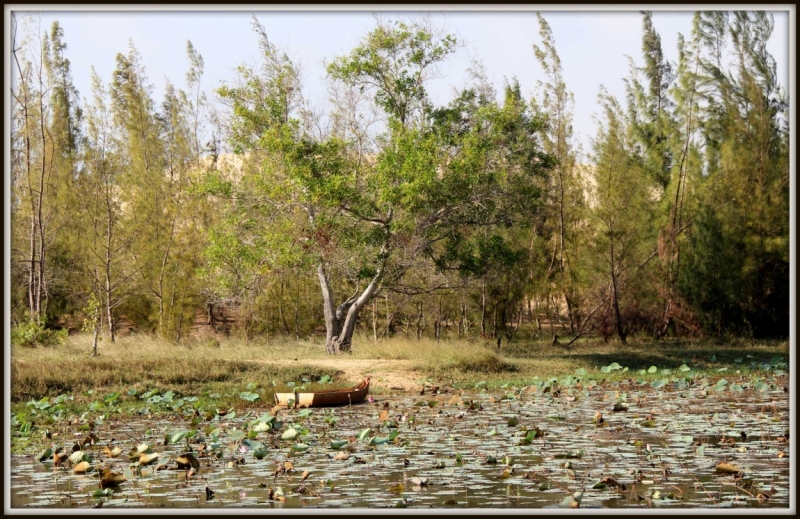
(434, 176)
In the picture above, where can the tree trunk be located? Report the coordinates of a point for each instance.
(462, 325)
(280, 308)
(32, 273)
(438, 324)
(331, 323)
(96, 331)
(375, 321)
(419, 321)
(483, 308)
(341, 323)
(494, 321)
(110, 321)
(297, 314)
(108, 288)
(179, 331)
(617, 314)
(389, 317)
(109, 316)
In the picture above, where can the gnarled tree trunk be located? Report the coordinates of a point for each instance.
(340, 323)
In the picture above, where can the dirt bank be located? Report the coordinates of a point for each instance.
(389, 375)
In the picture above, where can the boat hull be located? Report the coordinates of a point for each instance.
(334, 397)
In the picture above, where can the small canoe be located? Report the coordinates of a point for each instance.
(330, 397)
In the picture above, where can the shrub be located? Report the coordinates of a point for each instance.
(31, 334)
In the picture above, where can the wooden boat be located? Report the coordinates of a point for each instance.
(329, 397)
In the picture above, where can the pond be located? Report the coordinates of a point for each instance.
(544, 445)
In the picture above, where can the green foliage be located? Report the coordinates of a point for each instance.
(737, 274)
(394, 59)
(459, 213)
(92, 310)
(31, 334)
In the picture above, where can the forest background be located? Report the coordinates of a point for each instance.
(255, 212)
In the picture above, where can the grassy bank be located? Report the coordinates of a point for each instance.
(142, 363)
(140, 375)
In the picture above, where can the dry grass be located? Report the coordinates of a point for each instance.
(145, 363)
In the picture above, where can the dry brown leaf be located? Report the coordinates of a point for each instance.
(82, 467)
(111, 479)
(723, 467)
(60, 457)
(186, 461)
(146, 459)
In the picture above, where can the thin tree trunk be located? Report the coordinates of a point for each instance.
(331, 323)
(43, 182)
(180, 314)
(32, 272)
(172, 301)
(161, 274)
(462, 325)
(297, 314)
(375, 320)
(96, 330)
(617, 314)
(483, 307)
(439, 320)
(108, 287)
(389, 318)
(494, 321)
(280, 308)
(419, 320)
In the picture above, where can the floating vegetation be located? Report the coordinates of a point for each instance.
(684, 442)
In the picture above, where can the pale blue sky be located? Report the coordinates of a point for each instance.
(592, 46)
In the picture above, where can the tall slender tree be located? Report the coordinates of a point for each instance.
(104, 252)
(746, 185)
(621, 214)
(566, 193)
(45, 146)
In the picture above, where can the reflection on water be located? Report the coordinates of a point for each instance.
(664, 449)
